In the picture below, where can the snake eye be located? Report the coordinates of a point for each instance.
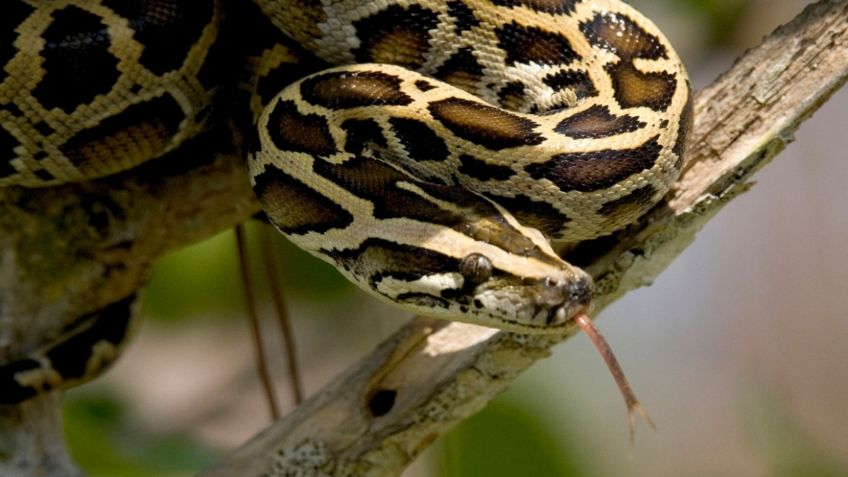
(476, 268)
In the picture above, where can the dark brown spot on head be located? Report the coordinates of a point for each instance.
(376, 181)
(622, 36)
(597, 122)
(397, 35)
(420, 142)
(634, 88)
(524, 44)
(296, 208)
(378, 259)
(461, 70)
(292, 131)
(591, 171)
(482, 170)
(488, 126)
(556, 7)
(354, 89)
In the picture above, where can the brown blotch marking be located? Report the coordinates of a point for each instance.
(13, 392)
(376, 181)
(421, 142)
(597, 122)
(296, 208)
(488, 126)
(631, 204)
(462, 15)
(482, 170)
(541, 216)
(622, 36)
(524, 44)
(591, 171)
(362, 134)
(482, 221)
(634, 88)
(138, 133)
(340, 90)
(576, 81)
(70, 358)
(397, 35)
(461, 70)
(76, 60)
(513, 96)
(556, 7)
(292, 131)
(378, 259)
(423, 85)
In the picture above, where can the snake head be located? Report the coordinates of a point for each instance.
(522, 294)
(542, 303)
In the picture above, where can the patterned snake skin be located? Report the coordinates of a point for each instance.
(431, 150)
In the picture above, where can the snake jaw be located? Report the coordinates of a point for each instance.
(542, 305)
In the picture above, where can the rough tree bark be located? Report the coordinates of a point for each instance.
(71, 250)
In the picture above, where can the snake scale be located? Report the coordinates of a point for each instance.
(432, 151)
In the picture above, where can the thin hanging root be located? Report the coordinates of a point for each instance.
(295, 382)
(250, 303)
(633, 406)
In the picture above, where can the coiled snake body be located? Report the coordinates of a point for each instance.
(434, 169)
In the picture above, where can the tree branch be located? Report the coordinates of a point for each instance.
(384, 411)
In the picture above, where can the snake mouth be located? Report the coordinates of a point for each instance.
(566, 298)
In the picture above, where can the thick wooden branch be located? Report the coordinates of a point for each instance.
(382, 412)
(68, 251)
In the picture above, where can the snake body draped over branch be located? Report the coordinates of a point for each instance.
(431, 150)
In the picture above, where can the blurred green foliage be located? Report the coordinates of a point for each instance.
(107, 444)
(509, 438)
(721, 16)
(785, 445)
(206, 277)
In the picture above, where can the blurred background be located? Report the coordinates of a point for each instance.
(738, 350)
